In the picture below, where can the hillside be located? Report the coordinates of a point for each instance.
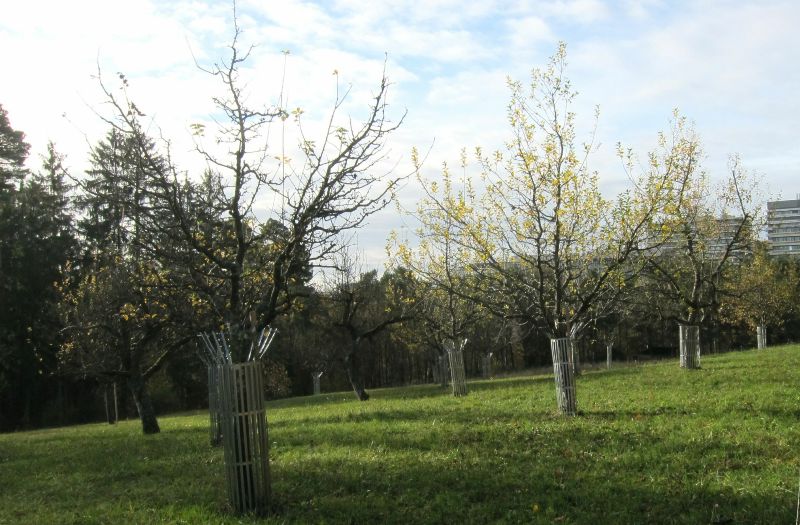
(653, 444)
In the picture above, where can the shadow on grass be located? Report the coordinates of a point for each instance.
(567, 478)
(565, 471)
(375, 471)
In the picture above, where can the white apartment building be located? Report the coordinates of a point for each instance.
(783, 227)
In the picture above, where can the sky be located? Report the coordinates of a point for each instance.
(730, 67)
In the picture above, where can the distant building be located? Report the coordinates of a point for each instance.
(727, 229)
(783, 227)
(711, 240)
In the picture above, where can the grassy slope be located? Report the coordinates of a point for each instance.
(654, 444)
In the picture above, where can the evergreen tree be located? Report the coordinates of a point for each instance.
(126, 314)
(35, 245)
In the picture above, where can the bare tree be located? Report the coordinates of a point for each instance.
(362, 306)
(240, 261)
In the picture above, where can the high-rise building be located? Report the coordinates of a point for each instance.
(712, 238)
(783, 227)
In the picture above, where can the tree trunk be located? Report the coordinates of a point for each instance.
(144, 405)
(455, 356)
(761, 336)
(107, 400)
(517, 347)
(689, 346)
(121, 400)
(245, 437)
(116, 403)
(354, 376)
(563, 373)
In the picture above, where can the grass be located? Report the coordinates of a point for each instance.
(653, 444)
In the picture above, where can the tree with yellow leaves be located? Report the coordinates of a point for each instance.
(542, 245)
(446, 312)
(545, 243)
(708, 227)
(761, 292)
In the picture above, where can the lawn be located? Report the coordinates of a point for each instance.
(653, 444)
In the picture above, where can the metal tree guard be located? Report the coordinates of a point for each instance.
(564, 373)
(487, 365)
(689, 346)
(575, 356)
(316, 377)
(214, 354)
(243, 422)
(761, 336)
(455, 354)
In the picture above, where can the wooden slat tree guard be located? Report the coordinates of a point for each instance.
(316, 378)
(214, 354)
(244, 434)
(214, 413)
(486, 365)
(575, 356)
(563, 371)
(761, 336)
(689, 346)
(455, 353)
(242, 421)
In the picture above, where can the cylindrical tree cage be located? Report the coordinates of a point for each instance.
(455, 353)
(316, 378)
(575, 356)
(689, 346)
(486, 365)
(214, 412)
(242, 420)
(245, 439)
(213, 354)
(609, 351)
(761, 336)
(563, 371)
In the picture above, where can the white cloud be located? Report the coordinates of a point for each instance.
(582, 11)
(526, 32)
(725, 67)
(730, 66)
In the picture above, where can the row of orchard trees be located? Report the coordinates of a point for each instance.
(144, 256)
(534, 241)
(152, 255)
(112, 281)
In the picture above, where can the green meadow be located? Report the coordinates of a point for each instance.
(652, 444)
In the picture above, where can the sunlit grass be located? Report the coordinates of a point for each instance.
(653, 444)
